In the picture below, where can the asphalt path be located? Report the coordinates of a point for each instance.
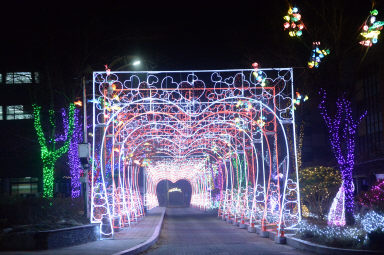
(190, 231)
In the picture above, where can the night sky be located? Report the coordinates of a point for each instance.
(181, 35)
(68, 39)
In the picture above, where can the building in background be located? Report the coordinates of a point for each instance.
(19, 151)
(369, 96)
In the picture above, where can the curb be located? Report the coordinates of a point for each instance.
(316, 248)
(147, 244)
(322, 249)
(50, 239)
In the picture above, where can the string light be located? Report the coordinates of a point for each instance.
(356, 235)
(329, 234)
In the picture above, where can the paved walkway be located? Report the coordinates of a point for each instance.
(189, 231)
(124, 240)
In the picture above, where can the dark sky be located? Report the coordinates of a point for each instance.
(69, 36)
(185, 34)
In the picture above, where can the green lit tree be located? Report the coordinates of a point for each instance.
(50, 153)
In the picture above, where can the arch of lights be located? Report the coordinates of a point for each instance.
(230, 133)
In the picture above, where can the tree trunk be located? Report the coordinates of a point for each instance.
(48, 178)
(349, 200)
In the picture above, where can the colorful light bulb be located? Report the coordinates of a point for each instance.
(317, 54)
(293, 23)
(371, 30)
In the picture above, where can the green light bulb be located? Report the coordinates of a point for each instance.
(374, 12)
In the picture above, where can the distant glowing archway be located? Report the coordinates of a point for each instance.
(192, 170)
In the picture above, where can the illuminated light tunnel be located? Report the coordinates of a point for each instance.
(229, 133)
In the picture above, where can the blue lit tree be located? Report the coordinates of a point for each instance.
(73, 157)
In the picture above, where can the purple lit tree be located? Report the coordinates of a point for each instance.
(73, 157)
(342, 134)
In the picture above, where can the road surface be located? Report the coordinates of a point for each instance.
(189, 231)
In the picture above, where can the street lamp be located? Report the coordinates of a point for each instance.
(124, 62)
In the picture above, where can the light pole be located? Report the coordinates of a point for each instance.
(84, 152)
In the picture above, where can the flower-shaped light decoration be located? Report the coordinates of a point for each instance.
(371, 29)
(293, 22)
(299, 98)
(317, 55)
(259, 75)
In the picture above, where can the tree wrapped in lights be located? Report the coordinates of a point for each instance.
(49, 151)
(73, 157)
(342, 134)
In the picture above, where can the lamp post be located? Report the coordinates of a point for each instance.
(84, 152)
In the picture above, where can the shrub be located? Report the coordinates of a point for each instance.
(342, 237)
(46, 213)
(374, 198)
(368, 232)
(318, 186)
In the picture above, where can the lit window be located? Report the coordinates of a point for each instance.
(37, 77)
(17, 112)
(1, 113)
(18, 78)
(24, 188)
